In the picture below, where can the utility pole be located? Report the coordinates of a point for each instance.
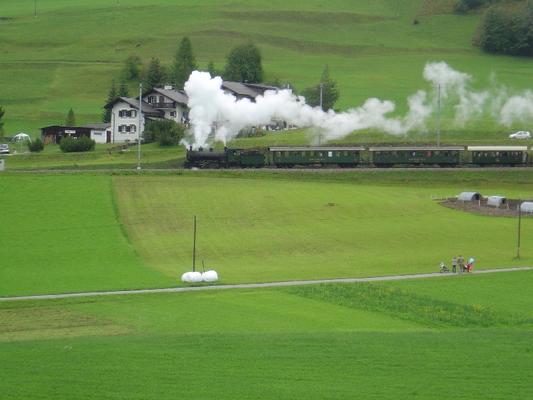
(140, 127)
(438, 117)
(321, 95)
(34, 8)
(194, 247)
(519, 227)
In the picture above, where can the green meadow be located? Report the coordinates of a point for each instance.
(67, 233)
(310, 342)
(67, 55)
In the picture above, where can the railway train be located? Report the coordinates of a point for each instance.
(353, 157)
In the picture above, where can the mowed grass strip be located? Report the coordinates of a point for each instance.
(256, 230)
(61, 234)
(264, 343)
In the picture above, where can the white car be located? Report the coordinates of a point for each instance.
(520, 135)
(4, 149)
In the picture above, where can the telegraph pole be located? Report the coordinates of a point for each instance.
(438, 117)
(194, 247)
(519, 228)
(321, 96)
(34, 8)
(140, 127)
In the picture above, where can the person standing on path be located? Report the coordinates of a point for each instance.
(461, 262)
(454, 264)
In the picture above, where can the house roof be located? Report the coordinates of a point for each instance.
(146, 108)
(178, 96)
(101, 126)
(240, 89)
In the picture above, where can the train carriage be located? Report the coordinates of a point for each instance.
(315, 156)
(498, 155)
(429, 155)
(246, 158)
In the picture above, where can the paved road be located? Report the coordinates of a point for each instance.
(253, 285)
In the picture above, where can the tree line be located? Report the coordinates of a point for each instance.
(506, 26)
(243, 64)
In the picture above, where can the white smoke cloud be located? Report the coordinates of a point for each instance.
(517, 108)
(215, 114)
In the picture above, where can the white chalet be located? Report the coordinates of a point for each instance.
(158, 103)
(164, 103)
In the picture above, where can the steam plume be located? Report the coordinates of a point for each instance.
(214, 112)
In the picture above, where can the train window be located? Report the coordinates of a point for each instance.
(330, 154)
(278, 153)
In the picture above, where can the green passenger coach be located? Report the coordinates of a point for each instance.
(389, 156)
(498, 155)
(321, 156)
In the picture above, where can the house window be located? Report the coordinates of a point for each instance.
(173, 114)
(133, 128)
(127, 113)
(152, 99)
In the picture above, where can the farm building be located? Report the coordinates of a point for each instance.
(469, 196)
(100, 133)
(496, 201)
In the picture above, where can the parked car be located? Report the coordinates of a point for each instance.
(520, 135)
(4, 149)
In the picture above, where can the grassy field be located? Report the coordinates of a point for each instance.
(104, 157)
(309, 342)
(66, 55)
(61, 234)
(269, 229)
(65, 233)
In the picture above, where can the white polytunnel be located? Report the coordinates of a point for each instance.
(496, 201)
(469, 196)
(527, 206)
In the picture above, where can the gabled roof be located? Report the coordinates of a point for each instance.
(239, 89)
(147, 109)
(178, 96)
(103, 125)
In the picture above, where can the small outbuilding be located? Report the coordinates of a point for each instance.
(527, 206)
(469, 196)
(21, 137)
(496, 201)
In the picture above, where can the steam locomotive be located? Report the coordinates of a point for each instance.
(352, 157)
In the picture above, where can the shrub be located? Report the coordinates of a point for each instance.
(508, 31)
(36, 146)
(71, 144)
(166, 132)
(464, 6)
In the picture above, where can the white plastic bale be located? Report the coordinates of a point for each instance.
(210, 276)
(186, 277)
(527, 206)
(195, 277)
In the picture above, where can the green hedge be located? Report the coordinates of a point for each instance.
(72, 145)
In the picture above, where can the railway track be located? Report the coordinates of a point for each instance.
(290, 170)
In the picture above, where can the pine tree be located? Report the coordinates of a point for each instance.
(156, 74)
(2, 112)
(330, 92)
(244, 64)
(71, 118)
(212, 69)
(132, 68)
(184, 63)
(123, 90)
(112, 95)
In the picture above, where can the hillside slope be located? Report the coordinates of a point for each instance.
(66, 55)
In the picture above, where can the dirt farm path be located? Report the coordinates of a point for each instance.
(255, 285)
